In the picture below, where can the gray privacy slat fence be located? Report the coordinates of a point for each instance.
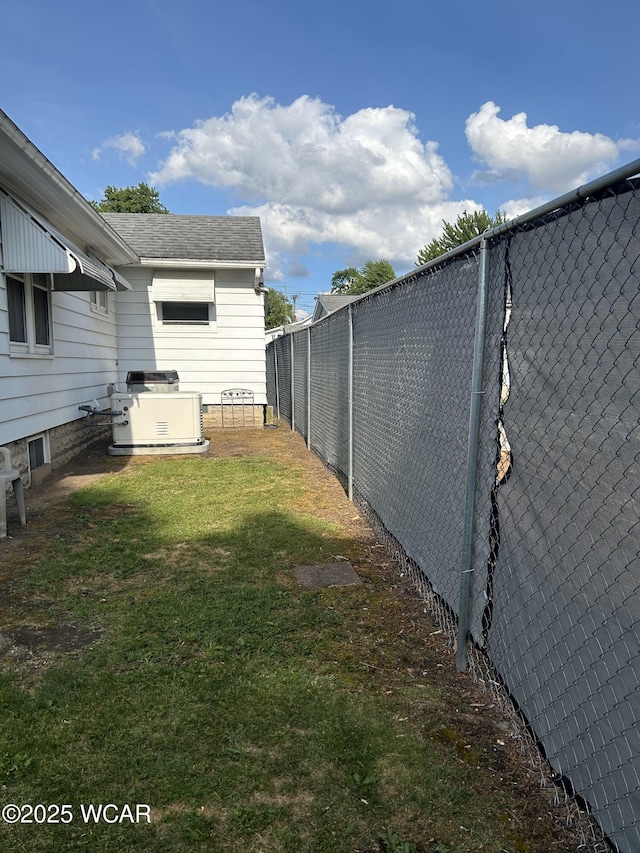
(282, 358)
(564, 634)
(555, 569)
(413, 349)
(300, 358)
(329, 392)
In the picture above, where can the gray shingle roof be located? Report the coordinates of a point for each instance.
(233, 239)
(328, 302)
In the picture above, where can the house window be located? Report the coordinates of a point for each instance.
(99, 301)
(29, 304)
(184, 313)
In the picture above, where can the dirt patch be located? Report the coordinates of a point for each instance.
(51, 638)
(29, 649)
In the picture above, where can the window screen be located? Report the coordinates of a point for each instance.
(41, 316)
(36, 452)
(185, 312)
(17, 315)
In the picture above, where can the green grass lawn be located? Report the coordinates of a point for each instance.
(247, 713)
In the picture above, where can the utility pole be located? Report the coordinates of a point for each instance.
(293, 299)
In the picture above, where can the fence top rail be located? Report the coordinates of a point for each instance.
(580, 194)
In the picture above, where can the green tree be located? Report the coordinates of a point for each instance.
(279, 309)
(353, 281)
(466, 227)
(342, 280)
(140, 199)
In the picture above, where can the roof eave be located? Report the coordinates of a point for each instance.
(192, 263)
(25, 171)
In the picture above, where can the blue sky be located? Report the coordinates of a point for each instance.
(352, 129)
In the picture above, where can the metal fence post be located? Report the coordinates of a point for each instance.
(466, 568)
(309, 387)
(350, 407)
(275, 366)
(292, 378)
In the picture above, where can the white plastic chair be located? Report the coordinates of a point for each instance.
(10, 476)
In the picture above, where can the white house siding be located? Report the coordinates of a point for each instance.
(210, 359)
(38, 393)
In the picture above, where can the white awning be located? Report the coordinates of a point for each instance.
(31, 244)
(183, 286)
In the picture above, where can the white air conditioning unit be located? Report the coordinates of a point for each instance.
(149, 422)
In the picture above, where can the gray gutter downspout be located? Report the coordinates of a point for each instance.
(477, 393)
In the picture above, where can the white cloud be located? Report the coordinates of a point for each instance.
(305, 153)
(629, 144)
(365, 180)
(550, 159)
(128, 145)
(516, 207)
(392, 232)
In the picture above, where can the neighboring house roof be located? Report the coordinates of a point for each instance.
(326, 303)
(278, 331)
(228, 240)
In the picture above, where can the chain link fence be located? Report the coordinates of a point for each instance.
(300, 382)
(500, 453)
(413, 358)
(330, 393)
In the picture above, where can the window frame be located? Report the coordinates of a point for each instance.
(207, 324)
(41, 285)
(35, 444)
(42, 438)
(99, 301)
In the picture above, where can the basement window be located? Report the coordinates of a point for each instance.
(39, 457)
(38, 451)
